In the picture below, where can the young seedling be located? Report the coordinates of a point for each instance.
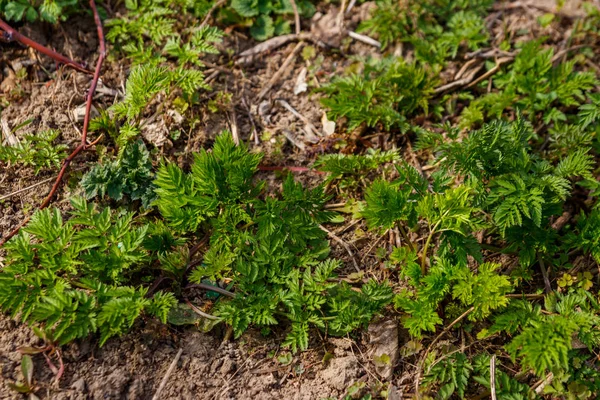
(27, 387)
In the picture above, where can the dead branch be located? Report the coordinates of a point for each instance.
(492, 71)
(343, 244)
(459, 83)
(288, 61)
(212, 9)
(296, 17)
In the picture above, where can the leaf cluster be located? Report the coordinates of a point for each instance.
(71, 278)
(51, 11)
(272, 249)
(38, 151)
(515, 186)
(130, 175)
(533, 84)
(436, 29)
(385, 93)
(267, 18)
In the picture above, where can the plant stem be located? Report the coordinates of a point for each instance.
(211, 288)
(11, 34)
(547, 284)
(86, 121)
(199, 311)
(424, 356)
(405, 237)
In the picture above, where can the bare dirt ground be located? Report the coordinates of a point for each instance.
(133, 367)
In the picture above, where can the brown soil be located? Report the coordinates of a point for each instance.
(133, 367)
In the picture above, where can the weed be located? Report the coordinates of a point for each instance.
(37, 151)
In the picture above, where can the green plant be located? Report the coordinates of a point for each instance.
(151, 29)
(51, 11)
(544, 340)
(519, 190)
(436, 29)
(28, 386)
(533, 84)
(74, 278)
(38, 151)
(124, 120)
(386, 93)
(129, 175)
(273, 250)
(166, 58)
(266, 18)
(347, 169)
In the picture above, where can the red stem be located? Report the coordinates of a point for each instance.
(88, 107)
(12, 34)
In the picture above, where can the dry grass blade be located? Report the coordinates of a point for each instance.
(288, 61)
(165, 378)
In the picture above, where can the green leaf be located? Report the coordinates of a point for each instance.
(263, 28)
(27, 369)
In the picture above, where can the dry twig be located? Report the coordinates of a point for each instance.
(288, 61)
(296, 17)
(212, 9)
(199, 311)
(343, 244)
(165, 378)
(492, 71)
(365, 39)
(460, 82)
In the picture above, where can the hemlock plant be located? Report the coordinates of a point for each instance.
(84, 275)
(519, 156)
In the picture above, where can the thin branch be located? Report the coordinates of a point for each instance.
(277, 41)
(365, 39)
(343, 244)
(288, 61)
(492, 71)
(460, 82)
(313, 130)
(25, 189)
(530, 296)
(11, 34)
(86, 121)
(339, 21)
(212, 9)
